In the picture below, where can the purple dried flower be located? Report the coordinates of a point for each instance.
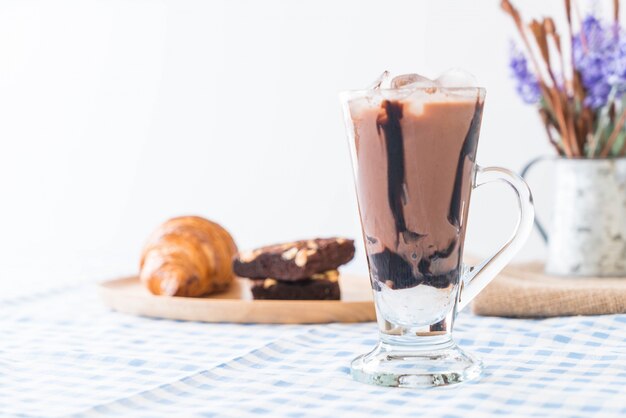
(527, 84)
(601, 60)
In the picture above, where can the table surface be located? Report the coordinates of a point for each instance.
(62, 353)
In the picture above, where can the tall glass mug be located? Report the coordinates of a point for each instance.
(413, 152)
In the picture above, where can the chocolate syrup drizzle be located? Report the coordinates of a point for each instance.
(389, 123)
(389, 265)
(470, 144)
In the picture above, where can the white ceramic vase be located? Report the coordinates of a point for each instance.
(587, 235)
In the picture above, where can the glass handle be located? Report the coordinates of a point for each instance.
(524, 173)
(481, 275)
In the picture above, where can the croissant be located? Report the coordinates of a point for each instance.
(188, 256)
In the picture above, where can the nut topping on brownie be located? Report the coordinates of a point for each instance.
(294, 260)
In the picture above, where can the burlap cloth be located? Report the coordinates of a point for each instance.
(523, 290)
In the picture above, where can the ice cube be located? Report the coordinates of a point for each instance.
(380, 80)
(456, 77)
(411, 80)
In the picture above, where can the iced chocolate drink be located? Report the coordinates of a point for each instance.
(413, 146)
(414, 154)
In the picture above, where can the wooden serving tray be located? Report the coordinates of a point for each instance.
(128, 295)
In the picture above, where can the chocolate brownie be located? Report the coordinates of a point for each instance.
(323, 286)
(294, 260)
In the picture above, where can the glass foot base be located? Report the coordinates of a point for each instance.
(416, 367)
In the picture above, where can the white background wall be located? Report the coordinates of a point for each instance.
(117, 114)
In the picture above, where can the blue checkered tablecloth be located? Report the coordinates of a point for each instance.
(62, 353)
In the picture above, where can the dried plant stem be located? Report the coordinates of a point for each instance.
(558, 97)
(589, 142)
(616, 11)
(563, 128)
(603, 120)
(583, 38)
(570, 28)
(549, 93)
(539, 32)
(554, 101)
(579, 91)
(545, 117)
(577, 87)
(550, 30)
(586, 118)
(570, 120)
(563, 108)
(609, 143)
(577, 126)
(512, 11)
(593, 144)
